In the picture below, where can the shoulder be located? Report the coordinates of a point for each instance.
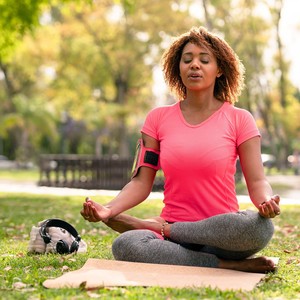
(234, 109)
(242, 122)
(158, 116)
(237, 113)
(163, 109)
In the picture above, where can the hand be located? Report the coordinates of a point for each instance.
(270, 208)
(94, 212)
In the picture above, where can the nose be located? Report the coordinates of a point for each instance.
(195, 64)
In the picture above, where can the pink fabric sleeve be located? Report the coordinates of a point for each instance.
(245, 126)
(150, 126)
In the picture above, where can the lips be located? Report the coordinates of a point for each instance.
(195, 76)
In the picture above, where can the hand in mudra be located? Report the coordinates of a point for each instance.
(95, 212)
(270, 208)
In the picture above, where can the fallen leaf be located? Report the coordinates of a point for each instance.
(65, 268)
(19, 285)
(7, 268)
(292, 250)
(48, 268)
(297, 248)
(290, 260)
(72, 259)
(93, 295)
(61, 259)
(30, 289)
(27, 269)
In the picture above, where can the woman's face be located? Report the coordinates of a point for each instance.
(198, 68)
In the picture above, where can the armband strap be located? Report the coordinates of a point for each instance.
(144, 157)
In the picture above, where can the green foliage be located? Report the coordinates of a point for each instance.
(101, 79)
(31, 122)
(23, 274)
(93, 61)
(18, 18)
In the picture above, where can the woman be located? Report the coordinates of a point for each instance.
(196, 141)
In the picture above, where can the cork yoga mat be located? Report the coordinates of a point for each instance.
(98, 273)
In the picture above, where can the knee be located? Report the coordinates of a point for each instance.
(264, 232)
(268, 228)
(257, 223)
(132, 245)
(120, 246)
(257, 231)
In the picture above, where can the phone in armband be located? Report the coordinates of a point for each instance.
(144, 157)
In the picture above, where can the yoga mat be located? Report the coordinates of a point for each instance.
(98, 273)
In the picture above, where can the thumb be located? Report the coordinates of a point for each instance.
(276, 198)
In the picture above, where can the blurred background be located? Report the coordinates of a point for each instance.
(78, 77)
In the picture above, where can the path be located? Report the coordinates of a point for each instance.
(290, 194)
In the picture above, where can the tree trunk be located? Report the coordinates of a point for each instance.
(121, 86)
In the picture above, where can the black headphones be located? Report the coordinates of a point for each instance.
(62, 246)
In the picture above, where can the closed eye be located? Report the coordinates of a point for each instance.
(187, 61)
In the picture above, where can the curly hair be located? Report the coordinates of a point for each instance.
(227, 87)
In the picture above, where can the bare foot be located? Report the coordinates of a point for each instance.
(255, 265)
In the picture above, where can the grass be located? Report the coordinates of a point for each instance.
(22, 274)
(20, 174)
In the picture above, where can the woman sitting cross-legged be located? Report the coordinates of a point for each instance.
(196, 142)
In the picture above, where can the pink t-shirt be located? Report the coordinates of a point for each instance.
(199, 161)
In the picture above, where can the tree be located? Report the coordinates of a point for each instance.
(105, 76)
(94, 64)
(27, 128)
(101, 78)
(17, 19)
(285, 106)
(270, 101)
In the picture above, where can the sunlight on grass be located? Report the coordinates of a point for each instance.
(20, 174)
(23, 274)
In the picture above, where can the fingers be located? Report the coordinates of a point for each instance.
(94, 212)
(270, 208)
(276, 198)
(88, 211)
(274, 204)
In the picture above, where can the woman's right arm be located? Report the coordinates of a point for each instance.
(133, 193)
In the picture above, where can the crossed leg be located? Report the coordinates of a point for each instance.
(140, 243)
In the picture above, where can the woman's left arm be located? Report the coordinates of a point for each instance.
(259, 189)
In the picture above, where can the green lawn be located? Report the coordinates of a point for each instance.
(22, 275)
(20, 174)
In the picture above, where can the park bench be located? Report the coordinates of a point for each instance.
(88, 172)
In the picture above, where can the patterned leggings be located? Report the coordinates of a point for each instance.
(231, 236)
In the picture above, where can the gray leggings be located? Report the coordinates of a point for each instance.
(231, 236)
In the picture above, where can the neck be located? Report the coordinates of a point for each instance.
(200, 101)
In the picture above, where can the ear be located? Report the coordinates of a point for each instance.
(220, 73)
